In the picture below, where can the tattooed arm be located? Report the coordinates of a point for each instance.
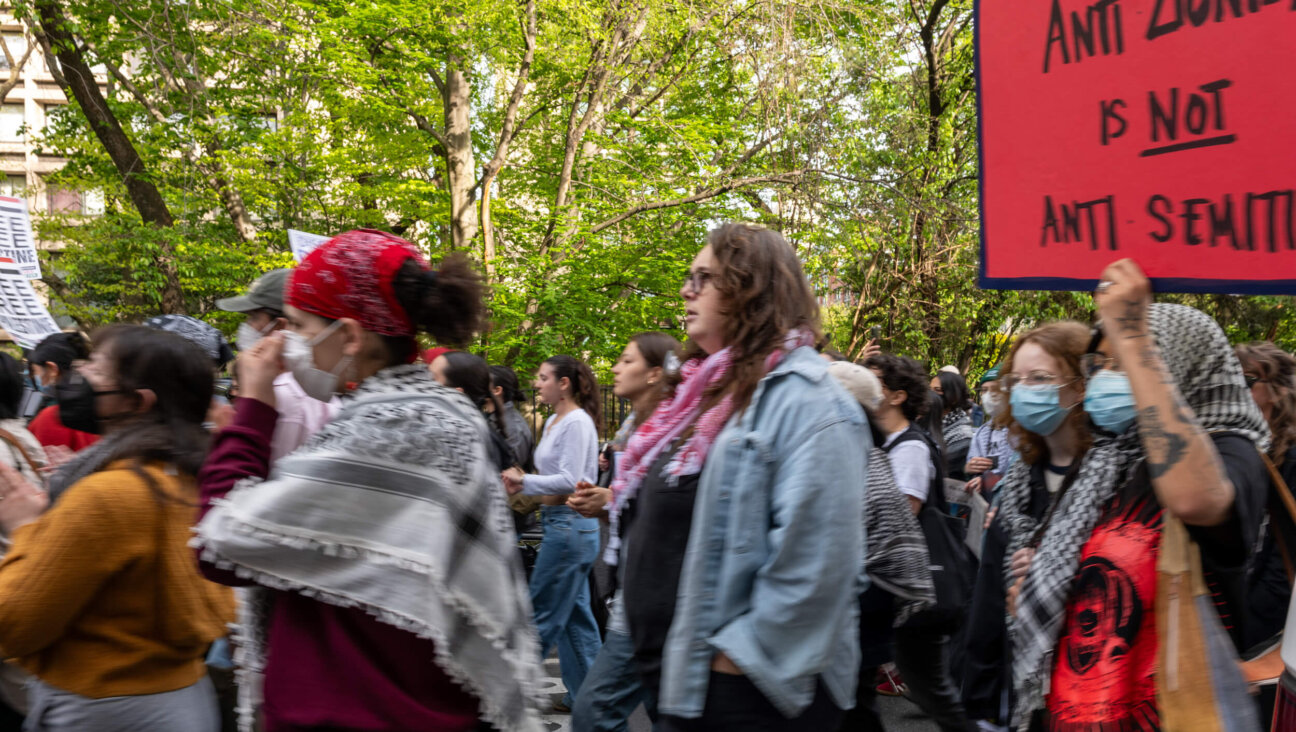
(1186, 471)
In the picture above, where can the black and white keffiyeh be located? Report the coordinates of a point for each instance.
(956, 427)
(392, 507)
(1209, 377)
(895, 553)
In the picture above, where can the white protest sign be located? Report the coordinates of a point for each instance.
(17, 245)
(22, 314)
(303, 243)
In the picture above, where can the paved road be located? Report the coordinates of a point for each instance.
(898, 715)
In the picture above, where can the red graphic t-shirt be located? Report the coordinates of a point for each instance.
(1104, 670)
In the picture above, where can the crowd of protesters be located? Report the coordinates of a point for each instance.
(788, 533)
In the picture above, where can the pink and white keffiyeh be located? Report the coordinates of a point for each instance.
(672, 417)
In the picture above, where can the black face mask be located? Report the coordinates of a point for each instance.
(77, 399)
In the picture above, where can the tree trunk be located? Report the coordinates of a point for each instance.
(78, 82)
(461, 170)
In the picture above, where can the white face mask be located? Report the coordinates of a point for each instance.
(299, 355)
(992, 402)
(247, 336)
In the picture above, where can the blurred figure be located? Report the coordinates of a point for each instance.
(956, 420)
(262, 306)
(567, 455)
(521, 438)
(612, 691)
(50, 364)
(470, 375)
(103, 604)
(388, 596)
(991, 453)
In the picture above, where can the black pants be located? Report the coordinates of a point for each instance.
(923, 657)
(865, 716)
(734, 703)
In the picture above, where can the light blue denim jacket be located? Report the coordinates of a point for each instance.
(771, 576)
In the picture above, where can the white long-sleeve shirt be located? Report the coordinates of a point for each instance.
(566, 455)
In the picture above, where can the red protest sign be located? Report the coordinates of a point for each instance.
(1161, 130)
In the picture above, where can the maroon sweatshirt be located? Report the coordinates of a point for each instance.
(330, 668)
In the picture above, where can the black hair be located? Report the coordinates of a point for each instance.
(179, 373)
(470, 373)
(506, 379)
(445, 303)
(583, 385)
(61, 349)
(899, 373)
(11, 386)
(956, 394)
(933, 421)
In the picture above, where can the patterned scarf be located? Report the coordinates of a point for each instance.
(425, 542)
(1209, 377)
(895, 555)
(673, 416)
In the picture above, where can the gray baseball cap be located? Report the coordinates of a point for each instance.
(266, 293)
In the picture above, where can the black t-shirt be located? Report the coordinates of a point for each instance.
(656, 539)
(1270, 591)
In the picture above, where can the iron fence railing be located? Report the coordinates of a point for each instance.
(615, 410)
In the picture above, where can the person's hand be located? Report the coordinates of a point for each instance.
(973, 485)
(870, 349)
(589, 500)
(990, 516)
(21, 503)
(603, 462)
(1123, 297)
(259, 366)
(513, 478)
(1021, 561)
(219, 416)
(1013, 594)
(56, 456)
(979, 464)
(722, 664)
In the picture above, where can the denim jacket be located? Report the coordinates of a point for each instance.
(773, 568)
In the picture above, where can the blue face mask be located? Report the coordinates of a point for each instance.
(1036, 408)
(1110, 401)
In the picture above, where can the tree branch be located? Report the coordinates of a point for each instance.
(709, 193)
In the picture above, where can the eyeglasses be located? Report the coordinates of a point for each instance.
(1251, 380)
(1034, 378)
(696, 280)
(1092, 363)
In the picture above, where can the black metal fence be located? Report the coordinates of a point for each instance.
(615, 410)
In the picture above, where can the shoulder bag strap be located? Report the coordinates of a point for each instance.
(1285, 496)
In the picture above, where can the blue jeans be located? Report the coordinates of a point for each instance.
(560, 593)
(614, 691)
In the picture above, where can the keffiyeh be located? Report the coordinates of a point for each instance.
(895, 557)
(425, 543)
(1209, 377)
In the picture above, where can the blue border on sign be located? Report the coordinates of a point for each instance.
(1159, 284)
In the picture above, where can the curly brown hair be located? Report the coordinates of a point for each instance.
(1066, 341)
(765, 294)
(1277, 368)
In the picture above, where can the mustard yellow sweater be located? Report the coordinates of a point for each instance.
(102, 597)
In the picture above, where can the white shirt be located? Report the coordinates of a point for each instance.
(566, 455)
(300, 416)
(912, 466)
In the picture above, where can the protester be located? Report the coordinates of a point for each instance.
(212, 343)
(469, 375)
(521, 438)
(103, 604)
(612, 690)
(567, 455)
(389, 596)
(1175, 429)
(991, 453)
(922, 646)
(956, 420)
(1044, 368)
(756, 465)
(50, 363)
(895, 559)
(1271, 374)
(262, 306)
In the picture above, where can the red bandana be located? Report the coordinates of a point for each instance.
(350, 276)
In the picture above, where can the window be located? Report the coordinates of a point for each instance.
(14, 186)
(12, 120)
(17, 47)
(69, 202)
